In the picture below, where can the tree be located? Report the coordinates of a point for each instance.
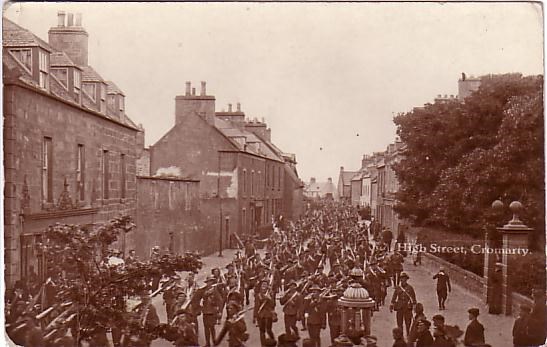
(462, 156)
(91, 291)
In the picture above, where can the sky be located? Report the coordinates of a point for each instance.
(326, 77)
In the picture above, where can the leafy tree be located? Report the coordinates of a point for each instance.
(459, 157)
(88, 288)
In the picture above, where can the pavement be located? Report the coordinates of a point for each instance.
(498, 328)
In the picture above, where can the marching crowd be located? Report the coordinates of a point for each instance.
(292, 273)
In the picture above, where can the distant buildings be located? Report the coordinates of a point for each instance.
(375, 184)
(321, 190)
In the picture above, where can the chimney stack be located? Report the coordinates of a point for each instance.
(229, 107)
(78, 20)
(194, 91)
(341, 168)
(238, 107)
(69, 38)
(61, 18)
(312, 180)
(70, 20)
(203, 88)
(188, 88)
(329, 179)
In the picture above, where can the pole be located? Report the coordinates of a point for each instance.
(220, 210)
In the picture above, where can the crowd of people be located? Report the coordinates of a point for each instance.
(306, 266)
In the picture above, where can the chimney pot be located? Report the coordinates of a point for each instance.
(229, 107)
(341, 168)
(203, 88)
(329, 179)
(78, 20)
(193, 91)
(188, 85)
(61, 18)
(70, 20)
(238, 107)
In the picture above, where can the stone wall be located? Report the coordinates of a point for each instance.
(168, 216)
(30, 116)
(466, 279)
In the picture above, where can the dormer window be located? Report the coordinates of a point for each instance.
(44, 69)
(77, 81)
(89, 90)
(61, 74)
(23, 57)
(122, 104)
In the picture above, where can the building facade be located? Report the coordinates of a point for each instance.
(344, 184)
(242, 175)
(320, 190)
(69, 147)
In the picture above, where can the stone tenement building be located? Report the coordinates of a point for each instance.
(69, 147)
(245, 180)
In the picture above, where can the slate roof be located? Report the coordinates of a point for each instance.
(112, 88)
(347, 176)
(90, 75)
(15, 36)
(61, 59)
(232, 132)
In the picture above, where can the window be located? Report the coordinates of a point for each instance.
(80, 172)
(89, 89)
(103, 98)
(77, 81)
(187, 198)
(23, 57)
(244, 220)
(61, 75)
(244, 181)
(279, 178)
(47, 173)
(122, 176)
(122, 104)
(253, 183)
(44, 69)
(105, 172)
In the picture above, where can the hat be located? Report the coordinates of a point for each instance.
(438, 317)
(404, 275)
(156, 248)
(474, 311)
(270, 342)
(315, 287)
(229, 265)
(424, 322)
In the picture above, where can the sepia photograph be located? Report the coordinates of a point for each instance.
(260, 174)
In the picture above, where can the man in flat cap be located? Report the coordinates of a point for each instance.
(474, 334)
(292, 302)
(424, 338)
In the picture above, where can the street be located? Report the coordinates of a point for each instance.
(497, 333)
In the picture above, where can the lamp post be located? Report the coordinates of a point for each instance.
(515, 236)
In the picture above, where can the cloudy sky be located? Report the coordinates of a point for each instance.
(327, 77)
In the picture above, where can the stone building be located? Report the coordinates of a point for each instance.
(321, 190)
(242, 175)
(69, 147)
(344, 184)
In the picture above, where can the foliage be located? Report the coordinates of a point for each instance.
(468, 261)
(528, 273)
(77, 260)
(459, 157)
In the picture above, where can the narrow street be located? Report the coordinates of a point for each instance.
(498, 327)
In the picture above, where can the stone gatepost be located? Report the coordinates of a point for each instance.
(515, 236)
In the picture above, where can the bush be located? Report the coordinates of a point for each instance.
(528, 272)
(468, 261)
